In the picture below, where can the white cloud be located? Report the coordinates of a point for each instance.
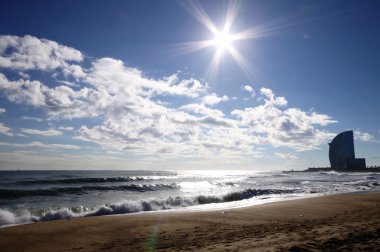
(42, 145)
(22, 91)
(31, 118)
(133, 112)
(363, 136)
(66, 128)
(202, 110)
(2, 110)
(68, 83)
(50, 132)
(24, 75)
(270, 97)
(249, 89)
(286, 156)
(31, 53)
(213, 99)
(5, 130)
(289, 127)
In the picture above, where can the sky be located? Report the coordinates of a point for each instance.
(258, 85)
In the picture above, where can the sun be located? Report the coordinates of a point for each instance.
(222, 40)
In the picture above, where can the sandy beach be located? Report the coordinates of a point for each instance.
(346, 222)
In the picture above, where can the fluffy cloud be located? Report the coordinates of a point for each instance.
(22, 91)
(133, 112)
(42, 145)
(2, 110)
(287, 156)
(31, 53)
(50, 132)
(66, 128)
(363, 136)
(249, 89)
(213, 99)
(5, 130)
(289, 127)
(31, 118)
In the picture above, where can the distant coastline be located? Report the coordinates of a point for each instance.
(329, 169)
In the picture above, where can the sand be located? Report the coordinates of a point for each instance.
(346, 222)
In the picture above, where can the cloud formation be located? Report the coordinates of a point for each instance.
(363, 136)
(137, 113)
(250, 90)
(287, 156)
(37, 144)
(31, 53)
(50, 132)
(5, 130)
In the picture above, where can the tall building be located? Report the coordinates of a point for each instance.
(342, 152)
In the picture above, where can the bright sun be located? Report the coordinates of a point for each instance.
(222, 40)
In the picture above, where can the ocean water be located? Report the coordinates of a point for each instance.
(31, 196)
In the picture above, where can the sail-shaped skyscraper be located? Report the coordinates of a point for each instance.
(342, 152)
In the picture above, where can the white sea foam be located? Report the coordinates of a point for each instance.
(87, 194)
(10, 218)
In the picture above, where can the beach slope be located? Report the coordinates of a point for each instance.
(346, 222)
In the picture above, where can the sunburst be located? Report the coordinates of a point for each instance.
(222, 39)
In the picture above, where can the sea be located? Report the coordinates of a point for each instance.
(32, 196)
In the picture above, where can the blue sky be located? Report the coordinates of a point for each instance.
(168, 85)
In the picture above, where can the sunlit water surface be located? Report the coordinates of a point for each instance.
(29, 196)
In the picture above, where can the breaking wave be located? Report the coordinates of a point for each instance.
(18, 193)
(8, 218)
(82, 180)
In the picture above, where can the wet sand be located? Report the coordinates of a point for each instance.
(347, 222)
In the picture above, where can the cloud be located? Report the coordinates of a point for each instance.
(201, 110)
(31, 118)
(5, 130)
(127, 110)
(66, 128)
(363, 136)
(270, 97)
(50, 132)
(24, 75)
(286, 156)
(249, 89)
(22, 91)
(42, 145)
(213, 99)
(2, 110)
(31, 53)
(288, 127)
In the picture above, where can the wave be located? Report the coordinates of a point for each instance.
(8, 218)
(223, 184)
(362, 184)
(242, 195)
(15, 193)
(81, 180)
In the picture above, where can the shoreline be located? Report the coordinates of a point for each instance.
(210, 207)
(327, 222)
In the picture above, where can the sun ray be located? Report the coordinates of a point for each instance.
(232, 11)
(193, 46)
(242, 62)
(223, 40)
(200, 14)
(213, 68)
